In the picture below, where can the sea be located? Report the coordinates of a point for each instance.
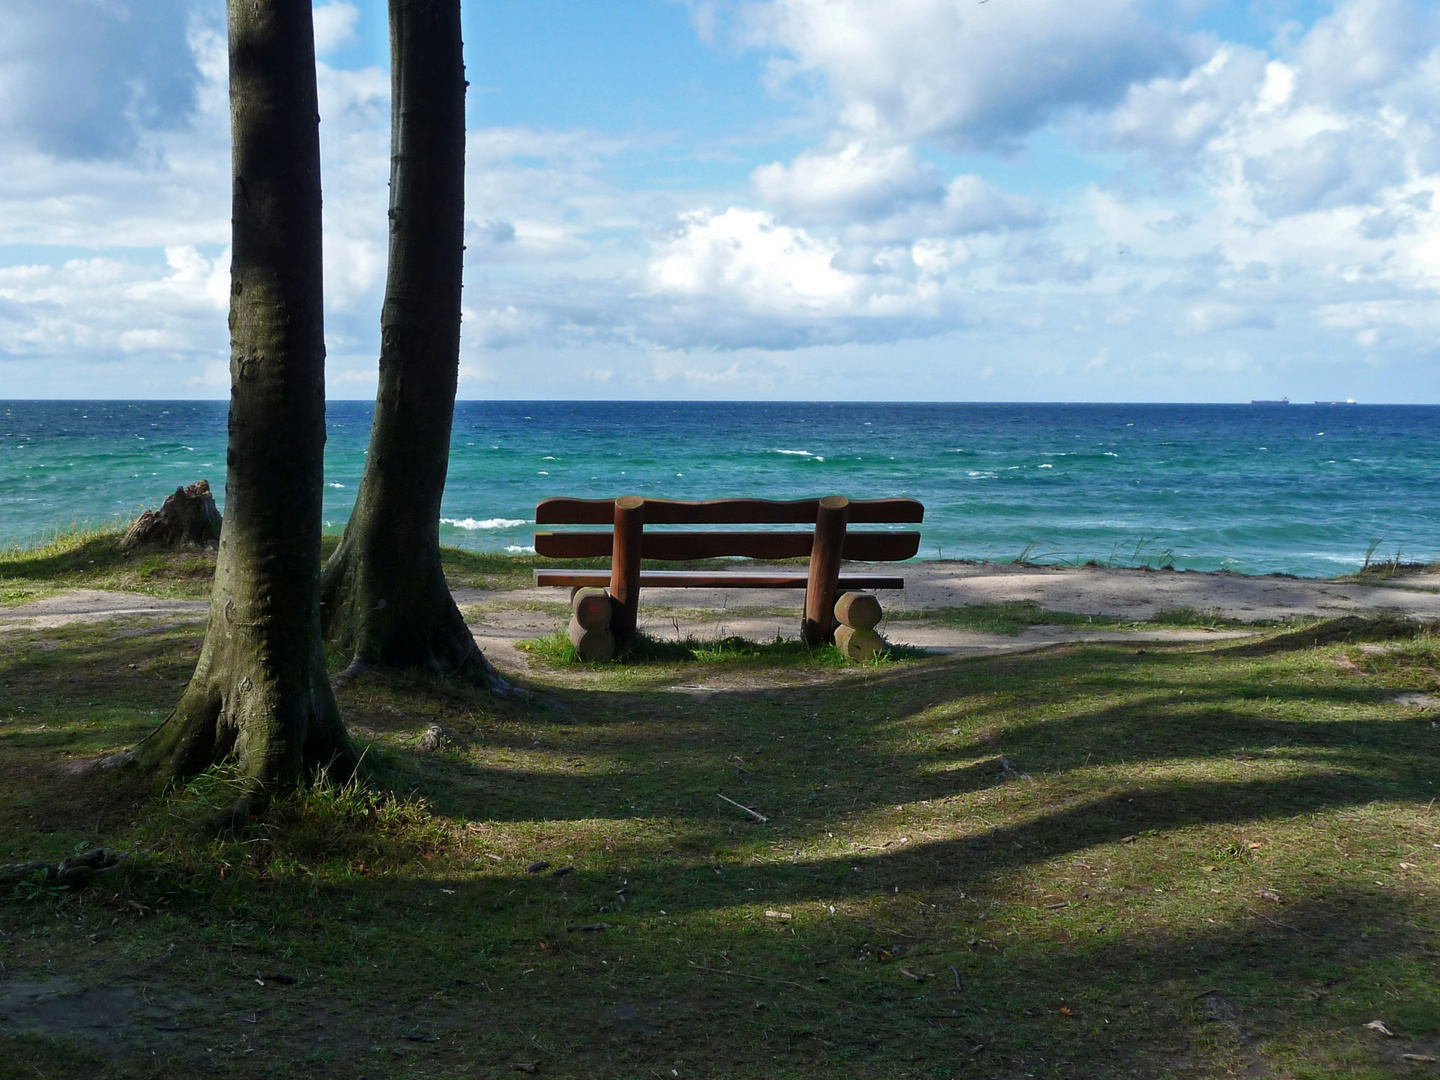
(1311, 490)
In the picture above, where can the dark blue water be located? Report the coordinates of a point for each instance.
(1299, 489)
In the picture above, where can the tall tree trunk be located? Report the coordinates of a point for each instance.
(384, 593)
(260, 693)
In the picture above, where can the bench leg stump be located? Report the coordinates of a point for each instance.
(857, 644)
(859, 609)
(855, 637)
(592, 608)
(590, 624)
(591, 644)
(625, 567)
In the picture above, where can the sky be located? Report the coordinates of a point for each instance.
(957, 200)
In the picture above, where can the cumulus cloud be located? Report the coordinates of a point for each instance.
(1283, 194)
(1177, 116)
(887, 194)
(84, 79)
(160, 212)
(1209, 318)
(969, 75)
(1329, 169)
(744, 255)
(1306, 180)
(1356, 55)
(856, 182)
(106, 309)
(741, 279)
(335, 24)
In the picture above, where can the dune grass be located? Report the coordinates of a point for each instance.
(1115, 860)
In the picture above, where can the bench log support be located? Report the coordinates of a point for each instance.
(625, 567)
(820, 587)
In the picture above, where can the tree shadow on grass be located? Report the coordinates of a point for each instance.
(465, 975)
(496, 964)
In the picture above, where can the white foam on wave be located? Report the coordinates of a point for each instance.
(335, 485)
(487, 523)
(799, 453)
(516, 549)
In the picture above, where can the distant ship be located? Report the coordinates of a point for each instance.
(1282, 401)
(1347, 401)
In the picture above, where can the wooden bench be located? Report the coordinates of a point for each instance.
(626, 542)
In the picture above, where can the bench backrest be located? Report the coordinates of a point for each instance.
(859, 546)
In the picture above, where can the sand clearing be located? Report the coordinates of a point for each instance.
(500, 618)
(1130, 594)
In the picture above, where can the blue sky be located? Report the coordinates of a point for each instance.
(1125, 200)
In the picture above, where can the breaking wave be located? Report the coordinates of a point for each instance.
(487, 523)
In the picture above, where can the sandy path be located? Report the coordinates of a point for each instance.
(499, 619)
(1130, 594)
(97, 605)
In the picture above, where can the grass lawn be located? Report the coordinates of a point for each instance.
(1106, 860)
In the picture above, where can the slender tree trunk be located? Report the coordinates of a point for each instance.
(260, 694)
(384, 592)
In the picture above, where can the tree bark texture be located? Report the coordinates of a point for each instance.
(260, 694)
(384, 592)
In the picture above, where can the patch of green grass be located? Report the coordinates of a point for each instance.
(1182, 860)
(1014, 616)
(1007, 618)
(1212, 619)
(556, 649)
(93, 560)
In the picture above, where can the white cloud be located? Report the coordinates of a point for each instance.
(856, 182)
(1209, 318)
(81, 79)
(967, 74)
(1178, 116)
(1357, 55)
(160, 213)
(105, 308)
(335, 24)
(1164, 201)
(743, 255)
(887, 195)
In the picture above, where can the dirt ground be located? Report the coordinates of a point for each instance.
(502, 618)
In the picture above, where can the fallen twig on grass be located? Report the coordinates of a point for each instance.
(1281, 925)
(759, 979)
(755, 814)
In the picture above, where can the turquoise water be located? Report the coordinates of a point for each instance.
(1297, 489)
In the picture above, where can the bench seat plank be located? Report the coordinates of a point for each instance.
(857, 547)
(714, 579)
(567, 511)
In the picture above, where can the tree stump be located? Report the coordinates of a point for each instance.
(187, 518)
